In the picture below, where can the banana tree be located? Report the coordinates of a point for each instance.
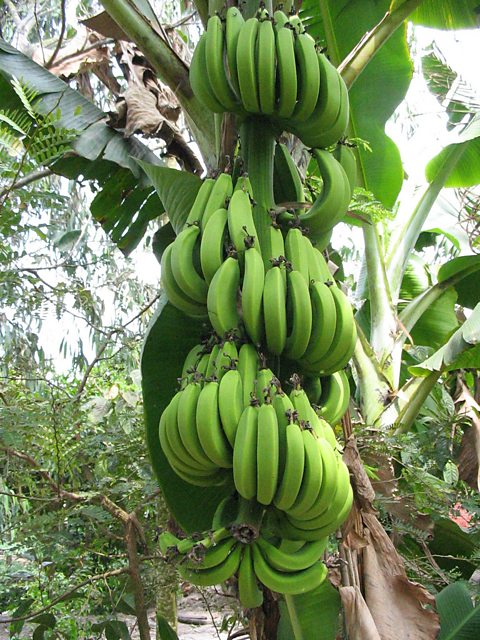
(367, 42)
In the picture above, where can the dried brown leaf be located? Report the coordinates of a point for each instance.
(358, 619)
(397, 605)
(469, 458)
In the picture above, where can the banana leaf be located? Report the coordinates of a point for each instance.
(459, 619)
(101, 154)
(376, 93)
(170, 336)
(310, 616)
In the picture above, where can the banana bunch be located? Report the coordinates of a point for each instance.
(290, 568)
(271, 67)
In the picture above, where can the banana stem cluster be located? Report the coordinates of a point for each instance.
(261, 392)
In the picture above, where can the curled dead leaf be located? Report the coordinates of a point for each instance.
(358, 619)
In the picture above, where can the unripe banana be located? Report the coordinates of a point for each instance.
(191, 361)
(299, 310)
(335, 397)
(308, 74)
(324, 322)
(187, 424)
(220, 193)
(230, 403)
(227, 358)
(290, 583)
(275, 310)
(248, 364)
(234, 22)
(263, 384)
(252, 295)
(249, 592)
(245, 453)
(296, 252)
(198, 76)
(212, 246)
(308, 554)
(183, 268)
(287, 73)
(291, 481)
(266, 63)
(246, 67)
(174, 292)
(222, 297)
(312, 476)
(211, 556)
(217, 77)
(214, 575)
(241, 226)
(267, 453)
(287, 184)
(200, 202)
(209, 427)
(346, 157)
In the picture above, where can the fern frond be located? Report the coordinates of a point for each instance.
(9, 140)
(26, 95)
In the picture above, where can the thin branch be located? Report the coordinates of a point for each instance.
(63, 28)
(356, 61)
(66, 594)
(28, 179)
(96, 45)
(20, 496)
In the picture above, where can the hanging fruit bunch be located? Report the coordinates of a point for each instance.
(261, 390)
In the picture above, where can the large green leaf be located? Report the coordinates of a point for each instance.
(447, 14)
(103, 155)
(176, 189)
(459, 619)
(468, 289)
(310, 616)
(454, 549)
(466, 172)
(169, 338)
(447, 357)
(377, 91)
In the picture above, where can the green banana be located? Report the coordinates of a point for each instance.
(211, 556)
(275, 310)
(211, 370)
(246, 67)
(346, 157)
(214, 575)
(245, 453)
(198, 76)
(191, 361)
(267, 453)
(287, 184)
(312, 476)
(286, 73)
(183, 268)
(187, 424)
(284, 409)
(241, 226)
(298, 560)
(265, 63)
(252, 295)
(174, 292)
(332, 203)
(209, 427)
(249, 592)
(230, 403)
(220, 193)
(291, 480)
(328, 104)
(296, 252)
(335, 397)
(280, 19)
(248, 364)
(317, 265)
(233, 24)
(196, 212)
(308, 74)
(299, 312)
(324, 323)
(226, 358)
(222, 297)
(328, 136)
(212, 245)
(214, 45)
(344, 339)
(287, 582)
(263, 384)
